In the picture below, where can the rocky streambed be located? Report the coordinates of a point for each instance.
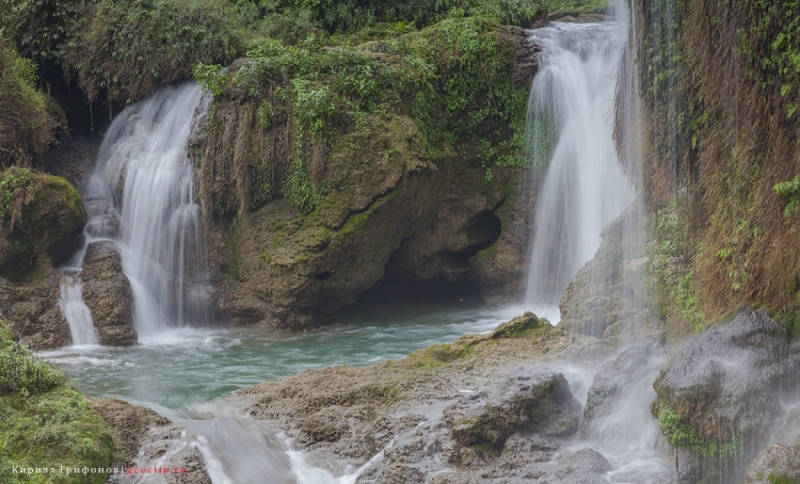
(527, 402)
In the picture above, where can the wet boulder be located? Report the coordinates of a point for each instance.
(720, 394)
(777, 464)
(107, 294)
(586, 466)
(617, 381)
(536, 400)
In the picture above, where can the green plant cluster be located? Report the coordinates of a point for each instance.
(560, 8)
(677, 294)
(351, 15)
(13, 182)
(681, 435)
(789, 189)
(26, 123)
(122, 50)
(454, 73)
(45, 422)
(773, 46)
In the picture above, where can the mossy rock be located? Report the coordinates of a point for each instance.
(41, 215)
(45, 423)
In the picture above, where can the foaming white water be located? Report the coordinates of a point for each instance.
(572, 113)
(147, 179)
(77, 314)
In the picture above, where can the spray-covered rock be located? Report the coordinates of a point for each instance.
(777, 464)
(720, 395)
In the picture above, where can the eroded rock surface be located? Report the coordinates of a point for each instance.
(107, 294)
(31, 311)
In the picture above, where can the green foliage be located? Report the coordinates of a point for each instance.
(131, 47)
(13, 182)
(672, 269)
(210, 77)
(559, 8)
(352, 15)
(298, 189)
(26, 125)
(681, 435)
(44, 422)
(265, 113)
(789, 189)
(23, 373)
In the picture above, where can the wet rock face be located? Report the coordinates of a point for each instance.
(727, 382)
(31, 311)
(606, 297)
(107, 294)
(777, 464)
(534, 400)
(615, 379)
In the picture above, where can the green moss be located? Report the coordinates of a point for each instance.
(780, 479)
(44, 422)
(483, 256)
(439, 355)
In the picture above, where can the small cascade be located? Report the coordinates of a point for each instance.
(77, 314)
(144, 180)
(571, 112)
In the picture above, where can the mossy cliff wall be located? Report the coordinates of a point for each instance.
(322, 166)
(722, 154)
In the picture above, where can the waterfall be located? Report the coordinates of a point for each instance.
(571, 112)
(144, 181)
(77, 314)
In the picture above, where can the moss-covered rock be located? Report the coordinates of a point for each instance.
(45, 423)
(41, 217)
(316, 187)
(777, 464)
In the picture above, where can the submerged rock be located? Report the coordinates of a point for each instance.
(107, 294)
(720, 395)
(534, 400)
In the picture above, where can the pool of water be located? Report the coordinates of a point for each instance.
(177, 369)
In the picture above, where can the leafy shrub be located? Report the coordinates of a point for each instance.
(131, 47)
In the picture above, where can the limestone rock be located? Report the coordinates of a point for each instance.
(107, 294)
(31, 311)
(537, 400)
(727, 382)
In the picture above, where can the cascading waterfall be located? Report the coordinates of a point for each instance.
(145, 179)
(571, 111)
